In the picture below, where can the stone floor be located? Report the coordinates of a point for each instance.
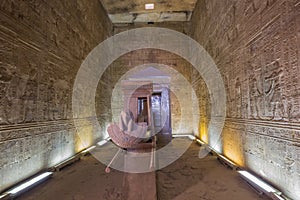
(201, 179)
(187, 178)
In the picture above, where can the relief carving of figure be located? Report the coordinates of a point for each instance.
(29, 98)
(42, 101)
(238, 97)
(5, 78)
(228, 96)
(287, 108)
(13, 88)
(230, 26)
(64, 103)
(255, 96)
(267, 3)
(272, 90)
(52, 101)
(62, 98)
(14, 93)
(251, 6)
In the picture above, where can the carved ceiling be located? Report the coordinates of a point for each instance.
(131, 11)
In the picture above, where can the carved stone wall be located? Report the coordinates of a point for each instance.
(182, 27)
(129, 61)
(42, 44)
(255, 44)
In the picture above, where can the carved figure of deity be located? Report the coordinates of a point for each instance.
(287, 108)
(51, 101)
(273, 91)
(251, 6)
(4, 103)
(238, 97)
(5, 78)
(255, 96)
(29, 98)
(64, 103)
(29, 101)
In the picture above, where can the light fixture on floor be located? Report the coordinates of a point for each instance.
(191, 137)
(261, 185)
(227, 161)
(5, 196)
(266, 187)
(206, 146)
(149, 6)
(180, 135)
(200, 141)
(88, 149)
(278, 197)
(103, 142)
(30, 183)
(66, 162)
(251, 179)
(211, 150)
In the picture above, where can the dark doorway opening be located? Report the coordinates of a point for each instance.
(142, 110)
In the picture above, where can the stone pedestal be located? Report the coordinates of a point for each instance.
(140, 186)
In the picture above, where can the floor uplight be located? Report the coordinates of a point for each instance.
(200, 142)
(88, 149)
(227, 160)
(257, 181)
(278, 197)
(103, 142)
(192, 137)
(4, 196)
(149, 6)
(29, 183)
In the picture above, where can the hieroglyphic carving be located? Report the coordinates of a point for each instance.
(235, 104)
(32, 35)
(42, 106)
(266, 80)
(228, 95)
(250, 7)
(268, 47)
(29, 98)
(253, 6)
(267, 3)
(58, 100)
(52, 101)
(5, 78)
(255, 96)
(230, 25)
(64, 105)
(234, 91)
(238, 97)
(273, 90)
(12, 98)
(265, 93)
(63, 91)
(290, 60)
(22, 97)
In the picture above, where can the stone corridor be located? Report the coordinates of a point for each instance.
(225, 73)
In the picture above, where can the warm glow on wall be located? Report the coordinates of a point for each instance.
(203, 135)
(84, 138)
(234, 156)
(232, 146)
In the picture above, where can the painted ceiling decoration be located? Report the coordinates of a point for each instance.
(131, 11)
